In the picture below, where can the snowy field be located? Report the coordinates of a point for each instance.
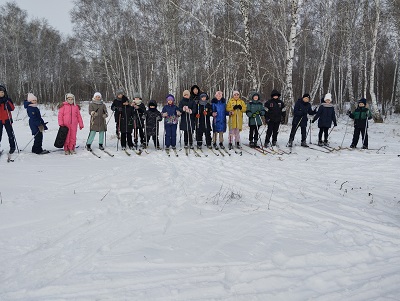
(305, 226)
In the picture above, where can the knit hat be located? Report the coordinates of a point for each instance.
(97, 94)
(31, 97)
(2, 88)
(70, 95)
(235, 92)
(152, 103)
(363, 100)
(203, 94)
(254, 94)
(170, 97)
(137, 95)
(306, 95)
(118, 92)
(186, 92)
(275, 93)
(218, 93)
(328, 96)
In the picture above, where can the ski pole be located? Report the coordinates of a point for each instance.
(345, 132)
(12, 129)
(145, 128)
(365, 131)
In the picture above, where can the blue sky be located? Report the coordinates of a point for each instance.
(55, 11)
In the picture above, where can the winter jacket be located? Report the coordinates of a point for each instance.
(172, 117)
(126, 119)
(152, 117)
(69, 115)
(274, 110)
(300, 112)
(35, 119)
(219, 121)
(360, 116)
(98, 122)
(6, 106)
(236, 119)
(325, 115)
(116, 106)
(254, 111)
(187, 120)
(138, 113)
(203, 112)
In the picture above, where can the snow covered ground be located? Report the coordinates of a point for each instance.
(305, 226)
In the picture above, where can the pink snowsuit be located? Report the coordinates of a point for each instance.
(69, 115)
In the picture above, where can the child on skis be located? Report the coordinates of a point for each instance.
(126, 116)
(275, 115)
(325, 116)
(140, 108)
(6, 106)
(195, 93)
(69, 115)
(36, 123)
(361, 115)
(254, 111)
(187, 123)
(302, 108)
(98, 115)
(203, 112)
(219, 119)
(152, 118)
(170, 113)
(235, 108)
(116, 107)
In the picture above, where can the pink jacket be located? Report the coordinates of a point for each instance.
(70, 115)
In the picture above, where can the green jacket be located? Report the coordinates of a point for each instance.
(255, 110)
(360, 116)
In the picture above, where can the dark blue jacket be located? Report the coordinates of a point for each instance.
(219, 122)
(300, 111)
(35, 119)
(325, 115)
(172, 117)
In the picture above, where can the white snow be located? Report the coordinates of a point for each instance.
(305, 226)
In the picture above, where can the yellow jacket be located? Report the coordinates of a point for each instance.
(236, 120)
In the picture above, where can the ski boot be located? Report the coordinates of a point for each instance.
(215, 146)
(365, 147)
(251, 144)
(238, 145)
(326, 143)
(290, 143)
(320, 143)
(221, 146)
(352, 146)
(12, 150)
(304, 144)
(101, 146)
(88, 147)
(230, 146)
(273, 143)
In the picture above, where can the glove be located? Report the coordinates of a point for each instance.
(205, 113)
(189, 111)
(41, 128)
(81, 127)
(348, 113)
(165, 114)
(254, 115)
(214, 114)
(92, 113)
(96, 114)
(335, 124)
(235, 107)
(178, 113)
(158, 118)
(185, 108)
(258, 113)
(239, 107)
(104, 116)
(231, 113)
(197, 115)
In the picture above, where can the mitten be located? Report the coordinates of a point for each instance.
(41, 128)
(197, 115)
(254, 115)
(92, 113)
(178, 113)
(104, 116)
(205, 113)
(235, 107)
(165, 114)
(239, 107)
(185, 108)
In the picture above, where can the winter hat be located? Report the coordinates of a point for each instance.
(152, 103)
(306, 95)
(2, 88)
(31, 97)
(137, 101)
(328, 96)
(363, 100)
(194, 87)
(254, 94)
(97, 94)
(118, 92)
(186, 92)
(218, 93)
(275, 93)
(124, 99)
(170, 97)
(68, 95)
(203, 94)
(137, 95)
(235, 92)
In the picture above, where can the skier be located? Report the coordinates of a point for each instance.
(195, 93)
(325, 116)
(98, 115)
(254, 111)
(6, 106)
(187, 123)
(126, 116)
(170, 113)
(235, 108)
(300, 111)
(152, 117)
(275, 115)
(69, 115)
(219, 119)
(361, 115)
(36, 123)
(116, 107)
(140, 108)
(203, 112)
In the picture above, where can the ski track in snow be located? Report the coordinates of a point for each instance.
(305, 226)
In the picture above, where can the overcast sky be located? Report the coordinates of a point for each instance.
(55, 11)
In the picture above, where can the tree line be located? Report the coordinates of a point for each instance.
(349, 48)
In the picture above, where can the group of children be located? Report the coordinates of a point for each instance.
(195, 113)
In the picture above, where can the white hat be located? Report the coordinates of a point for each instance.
(328, 96)
(97, 94)
(31, 97)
